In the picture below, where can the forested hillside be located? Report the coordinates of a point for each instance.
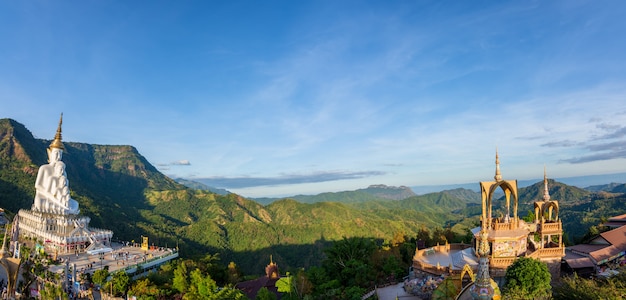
(371, 193)
(120, 190)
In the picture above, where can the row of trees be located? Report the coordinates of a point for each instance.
(352, 266)
(115, 284)
(180, 279)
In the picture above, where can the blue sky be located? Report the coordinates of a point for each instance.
(270, 98)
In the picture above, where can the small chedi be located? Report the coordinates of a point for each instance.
(54, 218)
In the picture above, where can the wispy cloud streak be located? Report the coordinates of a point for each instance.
(245, 182)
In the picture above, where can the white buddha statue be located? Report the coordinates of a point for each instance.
(52, 187)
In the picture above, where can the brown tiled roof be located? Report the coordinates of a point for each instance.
(583, 265)
(617, 244)
(586, 248)
(252, 287)
(616, 221)
(581, 262)
(617, 237)
(614, 224)
(620, 218)
(605, 253)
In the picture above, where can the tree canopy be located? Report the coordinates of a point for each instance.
(527, 278)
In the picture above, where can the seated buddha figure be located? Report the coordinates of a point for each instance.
(52, 187)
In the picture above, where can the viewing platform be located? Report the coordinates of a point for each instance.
(444, 259)
(129, 259)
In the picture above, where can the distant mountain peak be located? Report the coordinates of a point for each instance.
(389, 192)
(384, 186)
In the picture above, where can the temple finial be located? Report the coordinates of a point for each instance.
(57, 137)
(482, 288)
(546, 193)
(498, 176)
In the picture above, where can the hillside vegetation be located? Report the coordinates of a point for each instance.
(120, 190)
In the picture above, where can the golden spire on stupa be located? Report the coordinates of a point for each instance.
(498, 176)
(546, 193)
(56, 143)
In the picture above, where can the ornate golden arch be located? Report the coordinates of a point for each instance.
(467, 271)
(488, 189)
(551, 206)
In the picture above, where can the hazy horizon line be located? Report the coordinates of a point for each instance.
(582, 181)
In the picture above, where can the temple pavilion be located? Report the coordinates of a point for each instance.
(499, 240)
(54, 219)
(511, 237)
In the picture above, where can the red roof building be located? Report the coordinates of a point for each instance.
(604, 252)
(615, 222)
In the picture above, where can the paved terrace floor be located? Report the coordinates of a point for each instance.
(443, 259)
(121, 257)
(458, 258)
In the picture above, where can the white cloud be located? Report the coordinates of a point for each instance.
(182, 162)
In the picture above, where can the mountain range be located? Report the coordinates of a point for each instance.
(593, 183)
(120, 190)
(589, 182)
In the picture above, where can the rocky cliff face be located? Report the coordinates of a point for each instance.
(109, 182)
(17, 143)
(18, 165)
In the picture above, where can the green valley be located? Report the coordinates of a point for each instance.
(121, 191)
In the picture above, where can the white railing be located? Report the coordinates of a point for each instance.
(155, 261)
